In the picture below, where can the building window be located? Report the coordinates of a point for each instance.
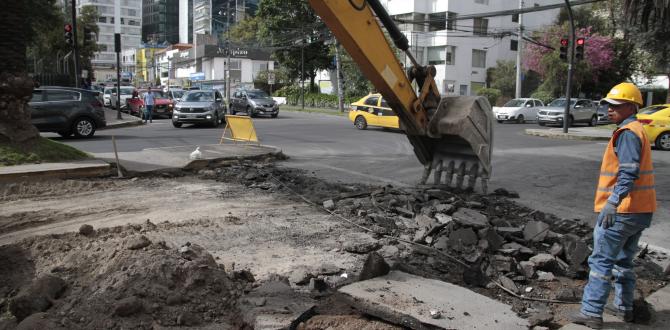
(515, 18)
(451, 23)
(449, 86)
(436, 55)
(437, 21)
(483, 2)
(463, 90)
(514, 45)
(451, 55)
(410, 21)
(480, 26)
(102, 19)
(478, 58)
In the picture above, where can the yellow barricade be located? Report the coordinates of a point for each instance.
(241, 128)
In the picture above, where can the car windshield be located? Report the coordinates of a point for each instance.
(561, 103)
(127, 90)
(199, 97)
(108, 91)
(514, 103)
(650, 110)
(177, 94)
(257, 95)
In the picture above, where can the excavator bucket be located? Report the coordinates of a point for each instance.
(460, 137)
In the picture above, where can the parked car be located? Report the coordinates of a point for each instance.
(581, 111)
(67, 111)
(372, 110)
(656, 122)
(126, 93)
(107, 96)
(163, 106)
(199, 107)
(601, 111)
(518, 110)
(175, 94)
(253, 102)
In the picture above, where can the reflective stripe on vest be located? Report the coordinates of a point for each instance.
(642, 196)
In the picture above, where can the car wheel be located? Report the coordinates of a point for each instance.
(65, 133)
(520, 119)
(542, 124)
(83, 127)
(250, 112)
(500, 121)
(360, 123)
(593, 121)
(176, 124)
(663, 141)
(216, 122)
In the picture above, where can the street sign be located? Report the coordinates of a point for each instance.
(271, 78)
(197, 76)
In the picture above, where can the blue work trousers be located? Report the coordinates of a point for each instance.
(613, 251)
(148, 113)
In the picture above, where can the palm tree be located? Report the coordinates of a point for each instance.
(15, 86)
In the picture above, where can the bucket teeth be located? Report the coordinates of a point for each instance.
(450, 169)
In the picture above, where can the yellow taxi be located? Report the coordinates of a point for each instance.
(656, 122)
(372, 110)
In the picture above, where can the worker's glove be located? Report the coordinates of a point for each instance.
(607, 215)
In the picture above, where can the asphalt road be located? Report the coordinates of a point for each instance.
(556, 176)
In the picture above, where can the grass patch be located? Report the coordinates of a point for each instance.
(42, 151)
(327, 111)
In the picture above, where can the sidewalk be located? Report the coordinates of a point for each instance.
(112, 122)
(145, 161)
(574, 133)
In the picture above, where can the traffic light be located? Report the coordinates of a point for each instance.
(564, 48)
(579, 49)
(68, 34)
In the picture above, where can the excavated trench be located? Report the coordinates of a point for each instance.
(255, 245)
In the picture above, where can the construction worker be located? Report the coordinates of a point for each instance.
(625, 201)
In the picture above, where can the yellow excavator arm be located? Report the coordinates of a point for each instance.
(451, 135)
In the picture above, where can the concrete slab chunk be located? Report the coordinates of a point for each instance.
(471, 218)
(407, 300)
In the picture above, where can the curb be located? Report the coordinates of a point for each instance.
(90, 170)
(123, 124)
(564, 136)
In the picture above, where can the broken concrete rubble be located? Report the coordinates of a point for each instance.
(359, 243)
(406, 300)
(470, 218)
(535, 231)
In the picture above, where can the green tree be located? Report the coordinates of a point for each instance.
(503, 78)
(246, 31)
(15, 85)
(291, 26)
(87, 21)
(649, 25)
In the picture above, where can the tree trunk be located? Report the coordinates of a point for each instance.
(15, 86)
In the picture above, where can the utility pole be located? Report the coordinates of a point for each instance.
(571, 62)
(340, 85)
(519, 50)
(75, 48)
(117, 49)
(227, 71)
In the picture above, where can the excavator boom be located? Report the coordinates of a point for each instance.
(455, 140)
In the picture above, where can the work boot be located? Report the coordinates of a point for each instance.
(589, 321)
(626, 316)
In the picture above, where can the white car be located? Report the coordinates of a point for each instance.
(518, 110)
(107, 96)
(126, 93)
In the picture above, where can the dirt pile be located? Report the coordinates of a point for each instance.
(117, 278)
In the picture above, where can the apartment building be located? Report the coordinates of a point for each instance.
(462, 50)
(104, 62)
(160, 21)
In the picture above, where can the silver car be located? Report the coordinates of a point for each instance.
(254, 103)
(581, 111)
(199, 107)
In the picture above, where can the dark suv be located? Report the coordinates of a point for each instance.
(67, 111)
(253, 102)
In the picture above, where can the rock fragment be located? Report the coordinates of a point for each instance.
(359, 243)
(535, 231)
(374, 266)
(508, 284)
(471, 218)
(545, 276)
(329, 205)
(137, 242)
(461, 238)
(128, 306)
(528, 268)
(86, 230)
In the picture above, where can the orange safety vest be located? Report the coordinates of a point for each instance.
(642, 196)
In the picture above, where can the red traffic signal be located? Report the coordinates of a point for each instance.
(564, 42)
(68, 27)
(580, 41)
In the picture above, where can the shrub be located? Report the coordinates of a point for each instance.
(491, 94)
(543, 96)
